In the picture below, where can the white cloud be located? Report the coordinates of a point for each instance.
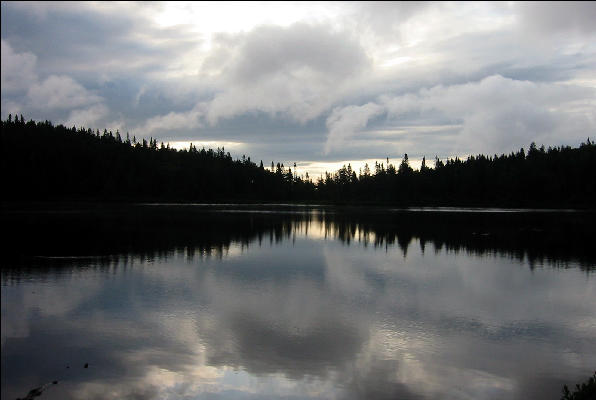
(344, 122)
(56, 92)
(18, 70)
(174, 120)
(87, 117)
(498, 113)
(298, 71)
(60, 92)
(495, 113)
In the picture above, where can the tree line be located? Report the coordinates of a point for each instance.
(41, 161)
(554, 177)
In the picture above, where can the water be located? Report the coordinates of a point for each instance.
(262, 302)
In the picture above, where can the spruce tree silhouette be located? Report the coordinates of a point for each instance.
(46, 162)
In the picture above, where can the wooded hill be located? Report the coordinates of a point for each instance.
(43, 162)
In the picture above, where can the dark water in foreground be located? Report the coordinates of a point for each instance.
(167, 302)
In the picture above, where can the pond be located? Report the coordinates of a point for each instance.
(294, 302)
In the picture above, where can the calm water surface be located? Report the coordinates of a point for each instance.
(292, 304)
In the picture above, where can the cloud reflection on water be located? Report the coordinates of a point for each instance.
(299, 316)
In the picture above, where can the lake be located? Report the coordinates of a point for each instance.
(296, 302)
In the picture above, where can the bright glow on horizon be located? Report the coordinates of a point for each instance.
(212, 144)
(317, 169)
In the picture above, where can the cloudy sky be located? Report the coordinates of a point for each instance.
(320, 84)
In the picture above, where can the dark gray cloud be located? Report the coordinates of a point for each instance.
(550, 17)
(83, 41)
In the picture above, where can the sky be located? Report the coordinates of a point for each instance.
(320, 84)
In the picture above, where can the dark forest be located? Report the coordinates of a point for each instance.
(43, 162)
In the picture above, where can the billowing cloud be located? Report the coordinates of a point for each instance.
(87, 116)
(175, 120)
(60, 92)
(56, 92)
(494, 114)
(298, 71)
(18, 70)
(344, 122)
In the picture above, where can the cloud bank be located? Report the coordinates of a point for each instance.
(320, 83)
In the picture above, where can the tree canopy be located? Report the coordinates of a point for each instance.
(41, 162)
